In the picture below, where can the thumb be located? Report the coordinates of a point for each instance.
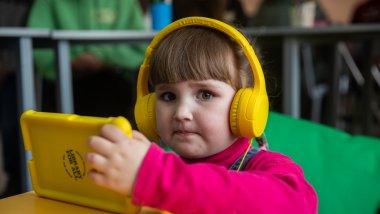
(112, 133)
(139, 136)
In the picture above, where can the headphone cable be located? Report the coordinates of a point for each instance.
(245, 154)
(261, 141)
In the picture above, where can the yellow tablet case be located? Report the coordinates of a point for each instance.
(58, 143)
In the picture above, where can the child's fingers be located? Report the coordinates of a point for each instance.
(97, 177)
(96, 162)
(113, 133)
(101, 145)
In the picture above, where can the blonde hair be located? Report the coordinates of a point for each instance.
(199, 53)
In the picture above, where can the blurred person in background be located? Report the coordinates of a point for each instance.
(102, 73)
(212, 9)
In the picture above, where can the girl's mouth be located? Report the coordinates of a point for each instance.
(183, 133)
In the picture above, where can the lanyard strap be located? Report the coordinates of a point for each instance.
(247, 158)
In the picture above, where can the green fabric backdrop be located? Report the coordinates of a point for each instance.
(344, 169)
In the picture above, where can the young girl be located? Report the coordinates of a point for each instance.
(196, 72)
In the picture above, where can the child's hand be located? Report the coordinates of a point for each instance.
(116, 159)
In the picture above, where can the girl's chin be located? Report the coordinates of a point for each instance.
(189, 153)
(190, 156)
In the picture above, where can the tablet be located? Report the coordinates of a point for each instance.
(58, 144)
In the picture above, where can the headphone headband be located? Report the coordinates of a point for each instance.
(259, 80)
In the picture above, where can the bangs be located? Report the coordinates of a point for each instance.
(195, 53)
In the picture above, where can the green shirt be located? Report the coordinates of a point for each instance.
(89, 15)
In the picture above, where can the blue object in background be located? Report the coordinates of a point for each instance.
(162, 15)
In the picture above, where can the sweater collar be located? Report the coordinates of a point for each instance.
(226, 157)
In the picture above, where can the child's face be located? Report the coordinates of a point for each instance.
(193, 117)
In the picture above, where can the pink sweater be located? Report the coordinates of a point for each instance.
(270, 183)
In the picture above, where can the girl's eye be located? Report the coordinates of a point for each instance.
(167, 96)
(205, 95)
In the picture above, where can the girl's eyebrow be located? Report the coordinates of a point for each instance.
(205, 84)
(162, 87)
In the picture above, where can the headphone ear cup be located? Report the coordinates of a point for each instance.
(248, 113)
(146, 117)
(261, 112)
(234, 126)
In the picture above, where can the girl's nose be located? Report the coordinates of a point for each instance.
(183, 111)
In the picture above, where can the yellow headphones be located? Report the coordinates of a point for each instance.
(249, 108)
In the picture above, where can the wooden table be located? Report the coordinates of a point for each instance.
(30, 203)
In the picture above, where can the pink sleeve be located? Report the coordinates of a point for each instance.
(272, 184)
